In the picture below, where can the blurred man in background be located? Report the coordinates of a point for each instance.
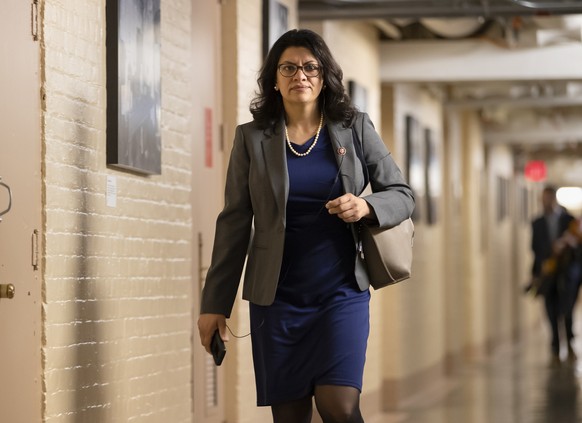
(556, 268)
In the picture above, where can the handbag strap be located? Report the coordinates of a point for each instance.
(360, 154)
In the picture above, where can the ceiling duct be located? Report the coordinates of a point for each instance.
(387, 9)
(453, 28)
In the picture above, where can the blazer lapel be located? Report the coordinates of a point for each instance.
(351, 172)
(276, 164)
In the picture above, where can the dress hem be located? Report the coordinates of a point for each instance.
(308, 392)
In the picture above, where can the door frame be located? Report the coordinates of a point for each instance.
(208, 183)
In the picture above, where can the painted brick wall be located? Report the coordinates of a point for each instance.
(117, 288)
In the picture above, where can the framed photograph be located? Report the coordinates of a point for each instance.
(432, 176)
(502, 198)
(524, 204)
(134, 85)
(359, 95)
(484, 211)
(415, 167)
(275, 23)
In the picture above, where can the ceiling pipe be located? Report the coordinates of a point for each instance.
(517, 103)
(388, 29)
(545, 5)
(321, 9)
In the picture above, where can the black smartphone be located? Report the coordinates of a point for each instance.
(217, 348)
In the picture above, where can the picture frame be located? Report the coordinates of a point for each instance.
(415, 166)
(502, 198)
(275, 23)
(484, 211)
(133, 85)
(432, 176)
(524, 203)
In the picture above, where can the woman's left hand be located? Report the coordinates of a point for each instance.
(349, 208)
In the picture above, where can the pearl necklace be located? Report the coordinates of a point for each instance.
(298, 154)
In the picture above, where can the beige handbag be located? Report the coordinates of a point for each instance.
(386, 252)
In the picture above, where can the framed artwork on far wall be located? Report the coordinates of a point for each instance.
(432, 175)
(415, 167)
(483, 211)
(275, 23)
(503, 192)
(134, 85)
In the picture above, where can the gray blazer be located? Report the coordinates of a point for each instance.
(257, 186)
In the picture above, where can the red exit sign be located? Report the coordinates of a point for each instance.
(535, 170)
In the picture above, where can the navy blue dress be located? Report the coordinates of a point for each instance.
(316, 331)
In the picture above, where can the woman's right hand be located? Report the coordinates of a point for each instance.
(207, 325)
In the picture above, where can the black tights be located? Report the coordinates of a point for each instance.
(335, 404)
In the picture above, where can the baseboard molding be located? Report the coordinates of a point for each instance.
(371, 403)
(395, 391)
(453, 361)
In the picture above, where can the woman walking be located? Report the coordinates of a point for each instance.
(294, 174)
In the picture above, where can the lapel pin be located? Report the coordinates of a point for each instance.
(341, 151)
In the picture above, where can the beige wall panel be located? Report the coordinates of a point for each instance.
(499, 293)
(457, 308)
(475, 235)
(355, 46)
(414, 314)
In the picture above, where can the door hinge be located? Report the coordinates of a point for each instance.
(201, 275)
(34, 20)
(34, 256)
(221, 135)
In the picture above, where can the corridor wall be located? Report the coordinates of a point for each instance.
(456, 287)
(499, 295)
(117, 285)
(473, 250)
(413, 341)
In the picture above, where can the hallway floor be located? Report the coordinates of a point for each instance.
(515, 384)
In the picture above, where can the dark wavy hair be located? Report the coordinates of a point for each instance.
(267, 106)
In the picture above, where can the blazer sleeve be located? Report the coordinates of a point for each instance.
(232, 235)
(391, 198)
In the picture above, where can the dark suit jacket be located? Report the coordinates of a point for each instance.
(540, 241)
(257, 187)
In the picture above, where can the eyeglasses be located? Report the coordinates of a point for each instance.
(309, 70)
